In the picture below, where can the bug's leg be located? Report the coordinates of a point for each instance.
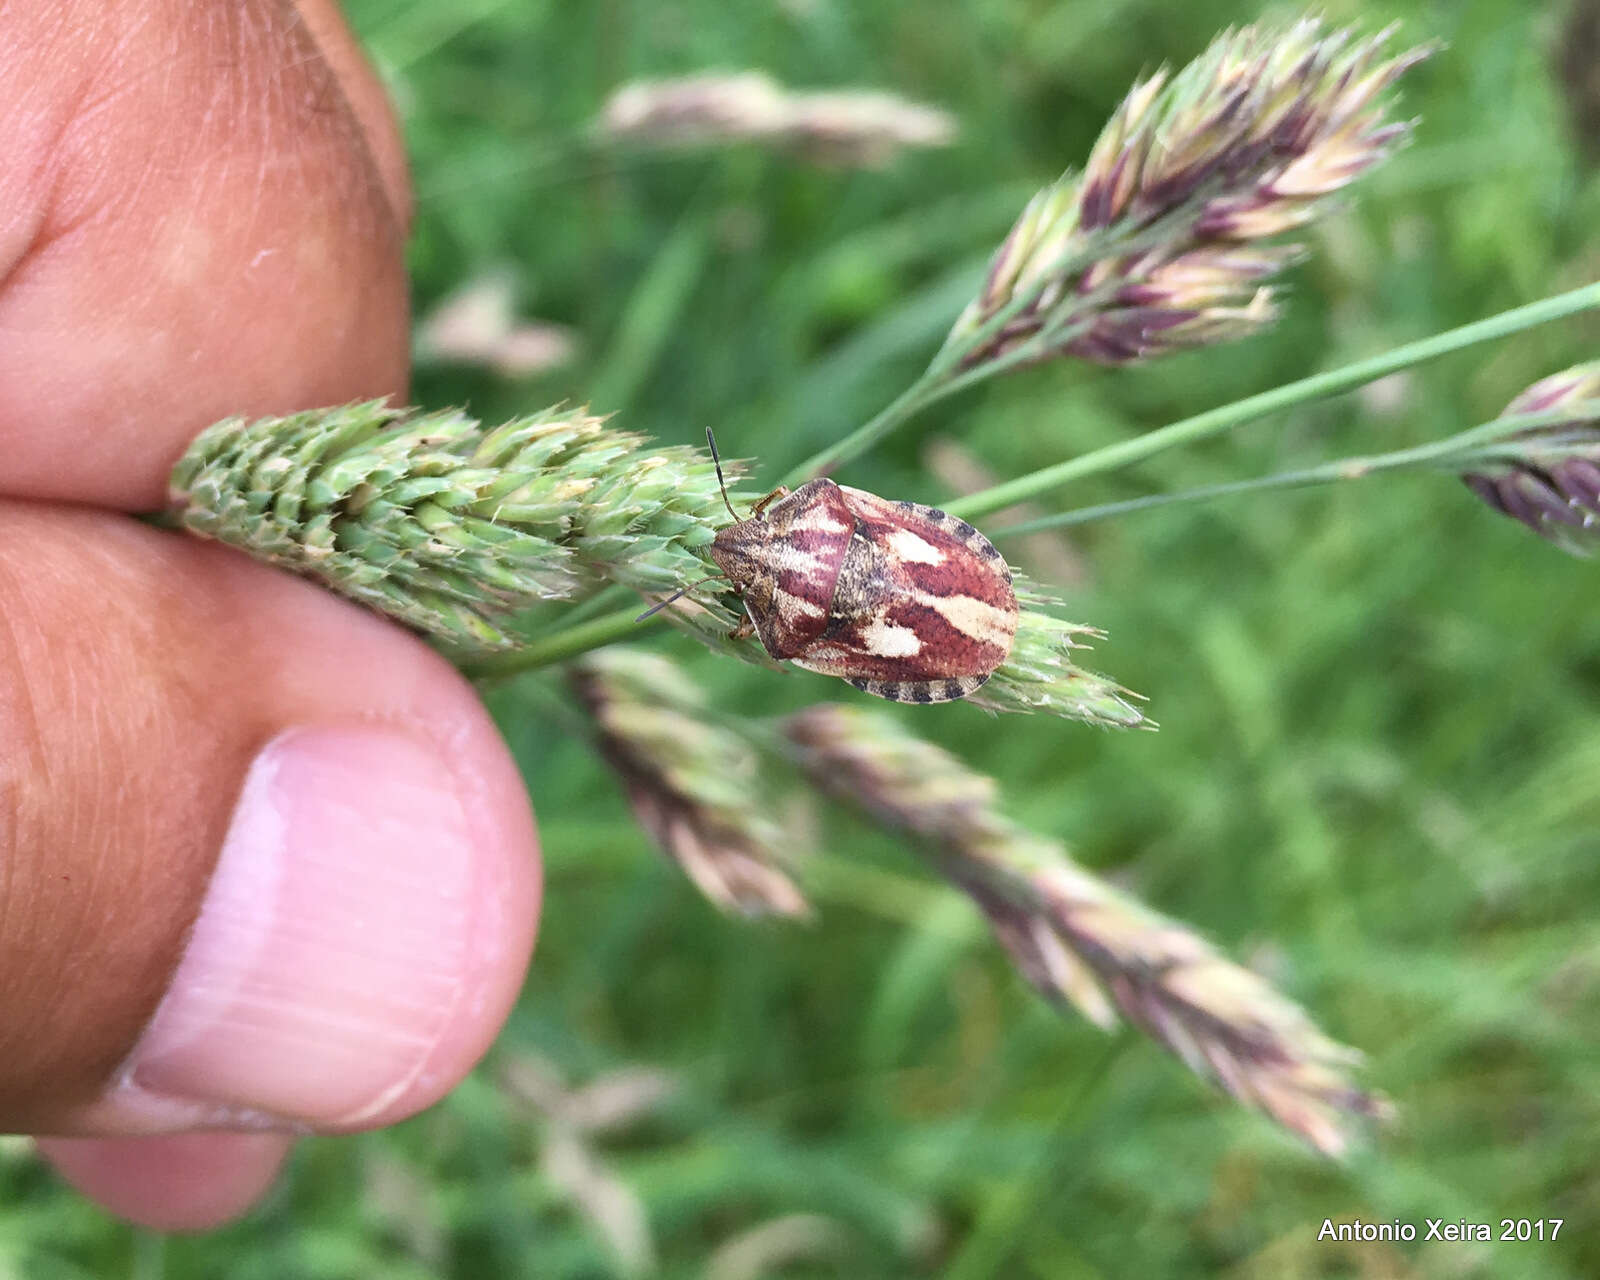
(781, 491)
(744, 630)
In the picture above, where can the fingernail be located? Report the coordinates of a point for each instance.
(334, 946)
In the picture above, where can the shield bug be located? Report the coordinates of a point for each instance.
(903, 601)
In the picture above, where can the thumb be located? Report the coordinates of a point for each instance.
(264, 861)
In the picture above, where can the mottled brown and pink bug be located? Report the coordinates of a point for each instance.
(903, 601)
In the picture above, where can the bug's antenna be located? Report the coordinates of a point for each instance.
(674, 597)
(711, 440)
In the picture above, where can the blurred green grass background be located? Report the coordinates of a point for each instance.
(1376, 772)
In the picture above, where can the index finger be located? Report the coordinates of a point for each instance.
(193, 224)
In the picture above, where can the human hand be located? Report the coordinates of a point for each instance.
(265, 864)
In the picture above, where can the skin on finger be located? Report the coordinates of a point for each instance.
(201, 214)
(179, 1182)
(365, 94)
(194, 223)
(140, 674)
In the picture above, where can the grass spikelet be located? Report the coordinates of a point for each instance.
(689, 781)
(1039, 674)
(863, 128)
(451, 528)
(696, 110)
(850, 128)
(477, 324)
(1158, 245)
(1083, 943)
(1550, 480)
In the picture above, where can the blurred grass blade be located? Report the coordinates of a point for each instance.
(654, 313)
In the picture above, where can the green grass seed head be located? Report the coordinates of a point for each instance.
(448, 527)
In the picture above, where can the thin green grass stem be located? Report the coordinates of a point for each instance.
(1457, 453)
(1318, 386)
(563, 645)
(990, 1245)
(901, 409)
